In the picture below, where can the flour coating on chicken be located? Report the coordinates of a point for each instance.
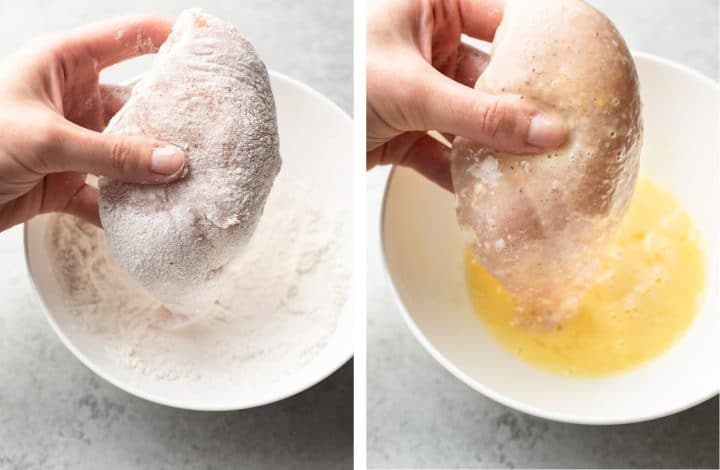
(209, 94)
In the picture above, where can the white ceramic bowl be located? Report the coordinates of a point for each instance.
(316, 145)
(424, 257)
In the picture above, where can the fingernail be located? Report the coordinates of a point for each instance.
(546, 133)
(167, 160)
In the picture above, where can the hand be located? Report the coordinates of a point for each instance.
(52, 109)
(420, 77)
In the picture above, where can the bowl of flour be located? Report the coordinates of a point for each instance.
(281, 317)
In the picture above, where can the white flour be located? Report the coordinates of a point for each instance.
(276, 307)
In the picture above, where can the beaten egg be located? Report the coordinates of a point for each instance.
(643, 299)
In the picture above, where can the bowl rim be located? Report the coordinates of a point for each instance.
(491, 392)
(194, 405)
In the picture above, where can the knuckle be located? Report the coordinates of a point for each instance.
(494, 117)
(119, 155)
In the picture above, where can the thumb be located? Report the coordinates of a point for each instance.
(504, 122)
(127, 159)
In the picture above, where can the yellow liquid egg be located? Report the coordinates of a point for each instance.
(645, 296)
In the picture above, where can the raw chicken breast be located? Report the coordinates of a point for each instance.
(540, 224)
(209, 94)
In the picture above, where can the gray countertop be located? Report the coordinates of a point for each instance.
(421, 416)
(55, 413)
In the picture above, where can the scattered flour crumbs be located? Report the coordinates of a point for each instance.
(276, 308)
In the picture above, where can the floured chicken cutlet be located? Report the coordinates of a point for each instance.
(209, 94)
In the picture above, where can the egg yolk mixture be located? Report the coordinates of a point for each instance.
(645, 296)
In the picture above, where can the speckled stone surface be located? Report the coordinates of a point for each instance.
(55, 413)
(420, 416)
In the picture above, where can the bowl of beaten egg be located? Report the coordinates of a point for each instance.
(644, 343)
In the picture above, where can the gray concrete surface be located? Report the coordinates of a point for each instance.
(56, 414)
(420, 416)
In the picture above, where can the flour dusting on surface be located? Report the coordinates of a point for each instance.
(276, 305)
(209, 94)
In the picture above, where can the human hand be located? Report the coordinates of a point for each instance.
(420, 78)
(52, 109)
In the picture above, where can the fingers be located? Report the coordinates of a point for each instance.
(128, 159)
(470, 64)
(431, 159)
(481, 18)
(113, 41)
(504, 122)
(85, 205)
(113, 97)
(418, 151)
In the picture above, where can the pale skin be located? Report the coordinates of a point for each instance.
(53, 110)
(420, 78)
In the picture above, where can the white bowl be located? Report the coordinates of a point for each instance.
(316, 145)
(424, 257)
